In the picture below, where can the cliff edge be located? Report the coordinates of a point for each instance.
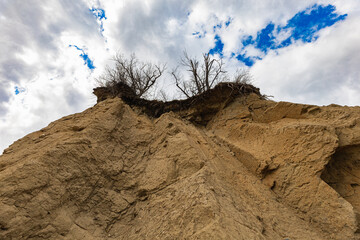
(242, 168)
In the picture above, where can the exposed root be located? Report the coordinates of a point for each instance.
(199, 108)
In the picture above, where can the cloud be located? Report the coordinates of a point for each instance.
(100, 15)
(320, 73)
(303, 26)
(42, 78)
(39, 74)
(19, 90)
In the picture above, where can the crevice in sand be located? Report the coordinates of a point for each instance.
(342, 173)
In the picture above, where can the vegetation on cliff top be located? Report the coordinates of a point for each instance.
(207, 84)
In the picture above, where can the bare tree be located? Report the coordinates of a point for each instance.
(139, 76)
(202, 76)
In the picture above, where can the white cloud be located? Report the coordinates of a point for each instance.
(322, 72)
(35, 54)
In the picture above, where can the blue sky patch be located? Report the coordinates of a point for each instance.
(249, 61)
(98, 13)
(202, 33)
(219, 47)
(87, 61)
(199, 34)
(221, 24)
(19, 90)
(303, 26)
(227, 23)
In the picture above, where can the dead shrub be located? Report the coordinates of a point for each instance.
(138, 76)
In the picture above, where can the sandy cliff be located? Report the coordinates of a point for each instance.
(253, 169)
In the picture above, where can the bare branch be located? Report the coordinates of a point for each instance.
(243, 76)
(180, 84)
(164, 97)
(139, 76)
(202, 78)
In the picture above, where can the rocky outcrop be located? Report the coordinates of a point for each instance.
(306, 155)
(252, 169)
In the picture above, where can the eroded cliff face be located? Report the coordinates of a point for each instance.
(307, 155)
(255, 169)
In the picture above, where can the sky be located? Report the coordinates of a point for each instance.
(52, 51)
